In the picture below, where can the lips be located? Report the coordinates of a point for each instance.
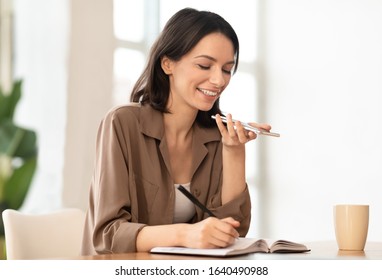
(208, 92)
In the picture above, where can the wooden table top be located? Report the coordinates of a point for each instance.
(319, 250)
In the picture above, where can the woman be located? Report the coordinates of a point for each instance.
(167, 137)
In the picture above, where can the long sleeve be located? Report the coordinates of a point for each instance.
(110, 214)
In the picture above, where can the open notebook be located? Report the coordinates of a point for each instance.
(240, 247)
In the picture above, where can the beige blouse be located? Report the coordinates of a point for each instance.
(132, 184)
(184, 209)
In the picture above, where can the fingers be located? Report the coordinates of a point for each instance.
(234, 133)
(231, 221)
(227, 234)
(220, 233)
(244, 135)
(228, 226)
(264, 126)
(221, 126)
(231, 127)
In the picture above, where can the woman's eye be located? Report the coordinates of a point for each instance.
(227, 71)
(203, 67)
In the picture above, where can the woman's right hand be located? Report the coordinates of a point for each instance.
(211, 233)
(207, 234)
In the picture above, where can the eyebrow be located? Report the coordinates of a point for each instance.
(213, 59)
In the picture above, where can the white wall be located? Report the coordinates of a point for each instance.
(40, 57)
(89, 96)
(323, 66)
(64, 52)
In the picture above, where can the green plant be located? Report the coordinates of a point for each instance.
(18, 154)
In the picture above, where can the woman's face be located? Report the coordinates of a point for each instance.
(198, 79)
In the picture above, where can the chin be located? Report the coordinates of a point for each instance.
(205, 108)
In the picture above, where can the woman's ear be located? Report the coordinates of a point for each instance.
(166, 64)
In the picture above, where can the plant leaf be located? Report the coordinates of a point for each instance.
(16, 188)
(16, 141)
(8, 102)
(3, 206)
(28, 144)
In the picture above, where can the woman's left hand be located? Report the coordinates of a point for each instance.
(232, 136)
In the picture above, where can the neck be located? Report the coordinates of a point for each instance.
(178, 124)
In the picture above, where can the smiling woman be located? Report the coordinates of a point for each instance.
(167, 137)
(73, 73)
(296, 76)
(241, 97)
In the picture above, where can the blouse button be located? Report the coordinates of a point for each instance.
(197, 193)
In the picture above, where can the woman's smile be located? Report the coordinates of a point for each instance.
(208, 92)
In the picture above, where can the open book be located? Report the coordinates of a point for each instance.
(240, 247)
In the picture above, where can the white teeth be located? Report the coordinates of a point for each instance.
(208, 92)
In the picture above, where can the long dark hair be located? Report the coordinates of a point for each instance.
(181, 33)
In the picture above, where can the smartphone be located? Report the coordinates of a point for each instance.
(249, 127)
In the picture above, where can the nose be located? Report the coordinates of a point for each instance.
(217, 78)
